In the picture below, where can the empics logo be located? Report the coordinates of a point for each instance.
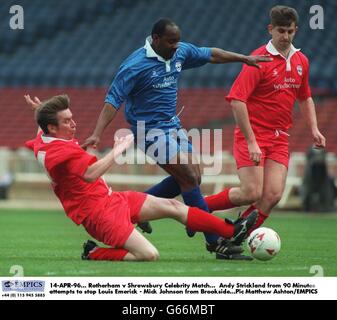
(23, 286)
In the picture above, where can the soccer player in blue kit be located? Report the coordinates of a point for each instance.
(147, 81)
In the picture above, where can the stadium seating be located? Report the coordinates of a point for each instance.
(81, 43)
(76, 47)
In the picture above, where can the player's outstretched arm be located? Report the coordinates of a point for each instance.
(33, 104)
(221, 56)
(107, 114)
(100, 167)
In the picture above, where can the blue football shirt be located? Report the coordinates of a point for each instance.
(149, 84)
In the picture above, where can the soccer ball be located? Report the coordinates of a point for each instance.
(264, 244)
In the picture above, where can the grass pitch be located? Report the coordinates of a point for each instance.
(47, 243)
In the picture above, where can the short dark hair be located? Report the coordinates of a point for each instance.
(46, 113)
(283, 16)
(159, 27)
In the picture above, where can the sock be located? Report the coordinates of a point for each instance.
(194, 198)
(247, 212)
(200, 220)
(220, 201)
(108, 254)
(260, 218)
(168, 188)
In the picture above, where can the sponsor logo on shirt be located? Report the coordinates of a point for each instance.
(167, 82)
(289, 83)
(154, 74)
(275, 73)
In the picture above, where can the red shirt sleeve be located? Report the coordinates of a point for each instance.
(305, 92)
(79, 163)
(72, 157)
(31, 143)
(245, 84)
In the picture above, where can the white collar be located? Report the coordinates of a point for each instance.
(272, 50)
(150, 53)
(47, 139)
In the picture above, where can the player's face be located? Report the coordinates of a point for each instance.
(66, 127)
(167, 45)
(282, 37)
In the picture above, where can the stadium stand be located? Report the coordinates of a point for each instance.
(75, 47)
(69, 44)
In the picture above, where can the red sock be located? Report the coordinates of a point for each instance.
(220, 201)
(247, 212)
(199, 220)
(108, 254)
(260, 218)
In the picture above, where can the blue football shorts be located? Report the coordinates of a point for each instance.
(163, 145)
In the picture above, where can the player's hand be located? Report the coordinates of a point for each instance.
(254, 60)
(92, 141)
(319, 140)
(122, 144)
(33, 103)
(255, 153)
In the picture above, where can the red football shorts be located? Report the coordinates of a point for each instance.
(114, 224)
(274, 145)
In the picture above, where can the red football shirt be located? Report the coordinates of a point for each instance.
(65, 163)
(270, 92)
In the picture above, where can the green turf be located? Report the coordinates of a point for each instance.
(46, 243)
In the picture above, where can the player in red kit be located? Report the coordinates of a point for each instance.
(262, 101)
(109, 216)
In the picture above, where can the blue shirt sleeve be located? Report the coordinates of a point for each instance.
(120, 88)
(195, 56)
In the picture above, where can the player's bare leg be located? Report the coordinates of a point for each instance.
(275, 176)
(197, 219)
(139, 248)
(249, 191)
(158, 208)
(136, 248)
(251, 186)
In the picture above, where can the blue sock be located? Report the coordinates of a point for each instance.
(168, 188)
(193, 198)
